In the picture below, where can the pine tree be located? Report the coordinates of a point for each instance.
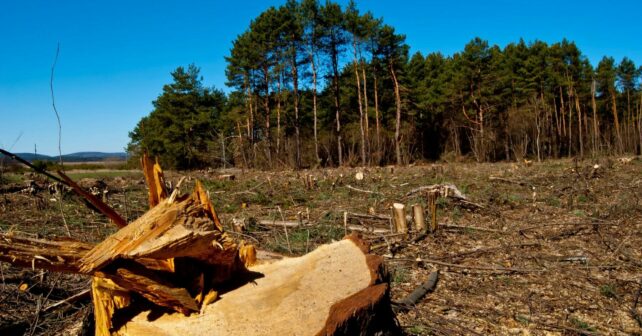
(180, 126)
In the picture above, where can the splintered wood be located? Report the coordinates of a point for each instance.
(176, 261)
(335, 290)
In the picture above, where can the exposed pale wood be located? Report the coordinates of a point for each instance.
(418, 218)
(155, 180)
(336, 289)
(180, 229)
(60, 256)
(363, 190)
(399, 218)
(78, 296)
(226, 177)
(137, 278)
(432, 205)
(107, 297)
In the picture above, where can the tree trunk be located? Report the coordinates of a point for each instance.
(579, 124)
(266, 107)
(278, 115)
(295, 89)
(361, 118)
(377, 118)
(398, 115)
(596, 130)
(314, 106)
(365, 105)
(570, 122)
(616, 120)
(337, 103)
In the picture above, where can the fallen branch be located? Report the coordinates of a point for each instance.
(362, 190)
(501, 179)
(484, 268)
(100, 205)
(474, 228)
(86, 293)
(295, 224)
(419, 292)
(280, 223)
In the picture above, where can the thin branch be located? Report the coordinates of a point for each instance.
(53, 103)
(363, 190)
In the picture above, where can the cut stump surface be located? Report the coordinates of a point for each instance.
(331, 290)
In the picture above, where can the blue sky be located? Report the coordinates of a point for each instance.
(115, 56)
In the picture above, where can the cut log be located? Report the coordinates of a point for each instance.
(335, 290)
(432, 204)
(418, 218)
(399, 218)
(59, 256)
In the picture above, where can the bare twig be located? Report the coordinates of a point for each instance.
(28, 164)
(53, 103)
(474, 228)
(363, 190)
(78, 296)
(484, 268)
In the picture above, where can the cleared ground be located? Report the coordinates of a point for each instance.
(552, 248)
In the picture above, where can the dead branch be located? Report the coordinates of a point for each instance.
(419, 292)
(363, 190)
(86, 293)
(100, 205)
(473, 228)
(444, 190)
(484, 268)
(505, 180)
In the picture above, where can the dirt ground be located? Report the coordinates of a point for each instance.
(551, 248)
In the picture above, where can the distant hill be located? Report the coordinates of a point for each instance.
(76, 157)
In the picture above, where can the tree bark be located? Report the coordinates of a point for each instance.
(365, 105)
(398, 115)
(377, 118)
(314, 105)
(334, 55)
(361, 117)
(295, 89)
(579, 124)
(596, 130)
(278, 115)
(616, 120)
(266, 107)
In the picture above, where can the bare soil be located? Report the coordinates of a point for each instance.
(553, 249)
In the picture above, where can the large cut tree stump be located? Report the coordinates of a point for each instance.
(337, 289)
(174, 271)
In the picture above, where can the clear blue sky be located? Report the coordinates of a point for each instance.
(115, 56)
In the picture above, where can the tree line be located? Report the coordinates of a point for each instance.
(321, 85)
